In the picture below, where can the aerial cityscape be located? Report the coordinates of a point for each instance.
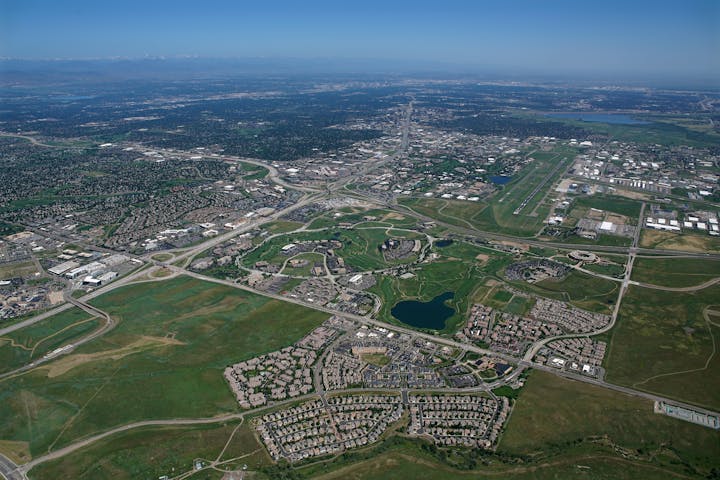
(273, 242)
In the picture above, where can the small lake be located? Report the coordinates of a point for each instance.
(613, 118)
(430, 314)
(500, 179)
(444, 243)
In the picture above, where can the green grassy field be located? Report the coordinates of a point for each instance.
(304, 271)
(602, 239)
(454, 212)
(687, 242)
(23, 346)
(663, 344)
(281, 226)
(675, 272)
(17, 269)
(162, 257)
(151, 452)
(400, 466)
(270, 250)
(554, 414)
(361, 247)
(163, 360)
(620, 205)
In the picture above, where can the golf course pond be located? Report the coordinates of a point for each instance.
(430, 314)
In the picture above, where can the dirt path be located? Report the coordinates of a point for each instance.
(706, 316)
(37, 344)
(342, 472)
(693, 288)
(71, 420)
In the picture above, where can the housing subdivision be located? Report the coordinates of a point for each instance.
(513, 334)
(467, 420)
(570, 318)
(317, 428)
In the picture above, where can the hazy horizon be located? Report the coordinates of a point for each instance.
(666, 39)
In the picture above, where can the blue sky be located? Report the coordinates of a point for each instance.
(632, 36)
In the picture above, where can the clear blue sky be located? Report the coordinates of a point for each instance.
(633, 36)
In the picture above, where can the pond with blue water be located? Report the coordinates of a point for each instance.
(431, 315)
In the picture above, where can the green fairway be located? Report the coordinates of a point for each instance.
(164, 360)
(151, 452)
(675, 272)
(663, 344)
(31, 343)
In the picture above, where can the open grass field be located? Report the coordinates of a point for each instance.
(304, 271)
(17, 269)
(675, 272)
(602, 239)
(155, 451)
(163, 360)
(662, 343)
(281, 226)
(580, 289)
(23, 346)
(553, 413)
(687, 242)
(455, 212)
(609, 203)
(612, 270)
(400, 466)
(458, 270)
